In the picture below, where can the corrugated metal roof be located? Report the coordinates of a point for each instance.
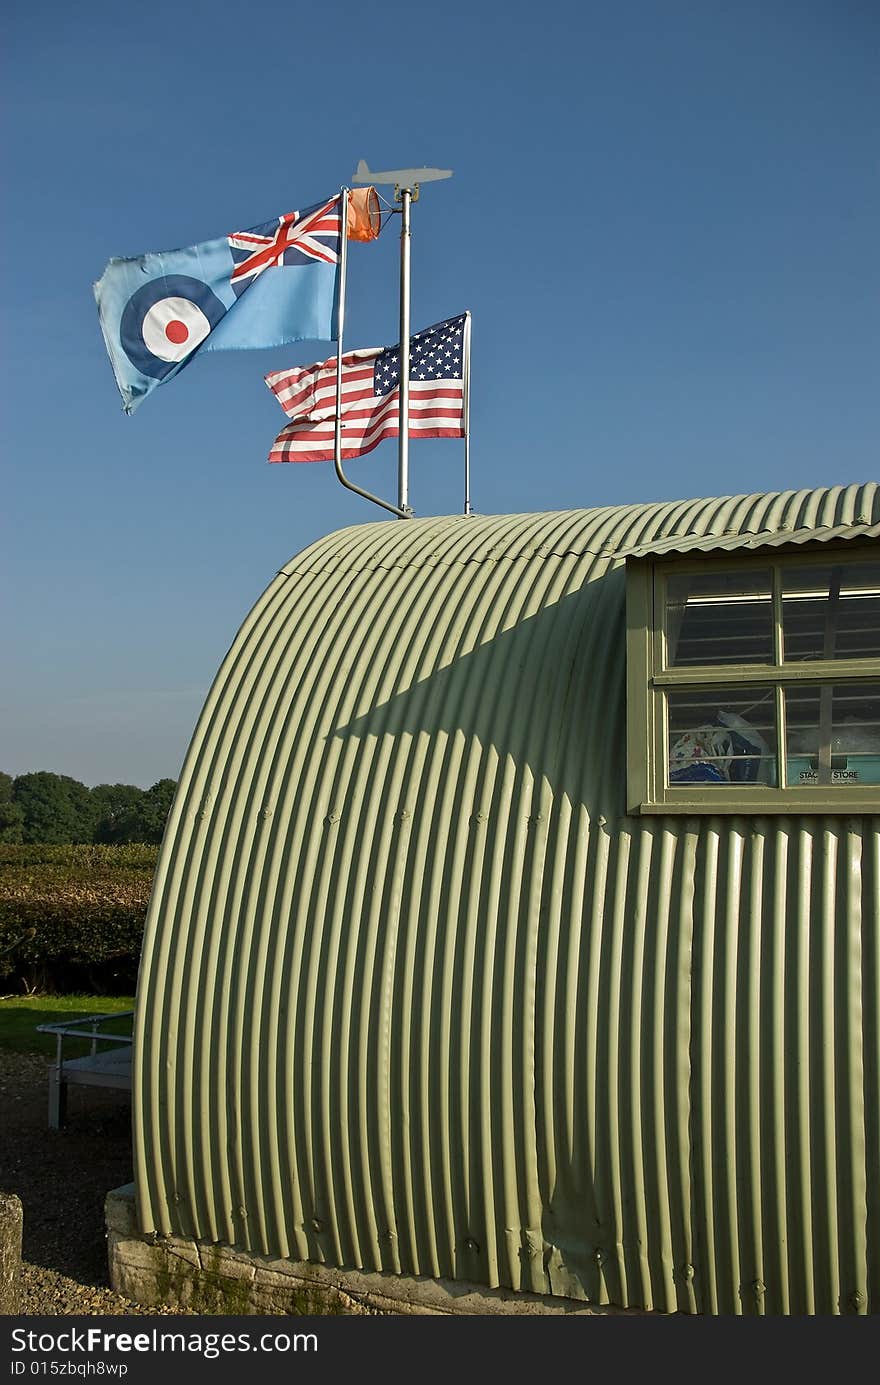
(731, 543)
(606, 532)
(417, 995)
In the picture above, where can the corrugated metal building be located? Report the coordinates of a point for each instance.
(424, 991)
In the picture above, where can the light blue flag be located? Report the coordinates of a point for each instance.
(272, 284)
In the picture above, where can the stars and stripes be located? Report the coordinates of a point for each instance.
(371, 396)
(294, 238)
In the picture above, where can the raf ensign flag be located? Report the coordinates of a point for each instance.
(371, 396)
(272, 284)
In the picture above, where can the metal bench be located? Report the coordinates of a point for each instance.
(100, 1067)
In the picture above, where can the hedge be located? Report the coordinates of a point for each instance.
(72, 917)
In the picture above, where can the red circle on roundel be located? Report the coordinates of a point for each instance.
(176, 331)
(172, 328)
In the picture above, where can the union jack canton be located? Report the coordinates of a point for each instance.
(296, 238)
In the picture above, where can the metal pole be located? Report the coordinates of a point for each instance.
(403, 440)
(340, 324)
(337, 422)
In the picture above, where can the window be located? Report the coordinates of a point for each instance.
(753, 683)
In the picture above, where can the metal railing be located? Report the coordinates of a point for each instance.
(75, 1029)
(87, 1069)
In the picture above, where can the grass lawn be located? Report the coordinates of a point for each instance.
(19, 1016)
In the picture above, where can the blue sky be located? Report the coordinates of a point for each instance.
(664, 218)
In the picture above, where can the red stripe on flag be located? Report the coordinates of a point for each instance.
(435, 412)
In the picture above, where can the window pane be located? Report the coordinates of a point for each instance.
(719, 618)
(832, 611)
(722, 736)
(833, 734)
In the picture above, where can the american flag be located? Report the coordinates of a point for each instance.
(294, 238)
(438, 381)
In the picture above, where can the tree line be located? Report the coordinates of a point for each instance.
(55, 809)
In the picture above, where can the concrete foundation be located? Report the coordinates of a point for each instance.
(204, 1278)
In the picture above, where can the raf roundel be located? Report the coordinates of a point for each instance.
(164, 322)
(173, 328)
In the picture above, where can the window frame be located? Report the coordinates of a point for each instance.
(647, 680)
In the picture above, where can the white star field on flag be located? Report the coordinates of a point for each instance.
(435, 354)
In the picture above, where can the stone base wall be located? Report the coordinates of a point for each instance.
(11, 1217)
(203, 1278)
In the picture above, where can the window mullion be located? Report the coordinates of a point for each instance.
(778, 633)
(817, 671)
(779, 691)
(705, 675)
(826, 693)
(781, 739)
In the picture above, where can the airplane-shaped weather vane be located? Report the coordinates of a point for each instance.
(408, 178)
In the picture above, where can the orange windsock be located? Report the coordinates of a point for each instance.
(363, 214)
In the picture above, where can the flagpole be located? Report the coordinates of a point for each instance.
(467, 413)
(403, 439)
(340, 329)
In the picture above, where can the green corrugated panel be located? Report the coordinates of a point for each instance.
(417, 996)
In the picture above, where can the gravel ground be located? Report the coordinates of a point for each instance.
(62, 1177)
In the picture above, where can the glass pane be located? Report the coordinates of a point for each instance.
(722, 736)
(833, 734)
(832, 611)
(719, 618)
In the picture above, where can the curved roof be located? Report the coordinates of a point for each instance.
(412, 982)
(613, 530)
